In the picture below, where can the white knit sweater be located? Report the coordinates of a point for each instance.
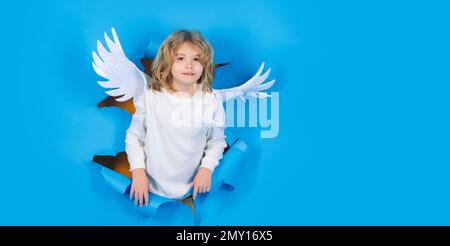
(171, 137)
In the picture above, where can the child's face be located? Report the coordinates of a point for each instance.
(187, 69)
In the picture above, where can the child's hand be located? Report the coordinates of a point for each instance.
(202, 181)
(139, 187)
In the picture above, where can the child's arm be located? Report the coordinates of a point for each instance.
(214, 148)
(213, 152)
(134, 144)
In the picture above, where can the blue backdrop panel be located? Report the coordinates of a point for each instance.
(364, 101)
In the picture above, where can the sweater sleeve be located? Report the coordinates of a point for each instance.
(135, 135)
(215, 142)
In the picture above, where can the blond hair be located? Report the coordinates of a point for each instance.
(162, 65)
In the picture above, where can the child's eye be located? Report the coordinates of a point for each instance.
(196, 59)
(179, 58)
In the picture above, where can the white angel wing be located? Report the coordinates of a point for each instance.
(122, 74)
(252, 88)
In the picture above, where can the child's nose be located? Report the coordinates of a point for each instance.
(188, 64)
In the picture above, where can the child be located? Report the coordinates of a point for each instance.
(176, 136)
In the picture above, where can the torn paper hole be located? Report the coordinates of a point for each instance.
(118, 177)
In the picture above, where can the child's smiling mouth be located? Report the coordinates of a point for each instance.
(188, 74)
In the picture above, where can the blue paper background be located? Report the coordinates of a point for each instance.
(364, 109)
